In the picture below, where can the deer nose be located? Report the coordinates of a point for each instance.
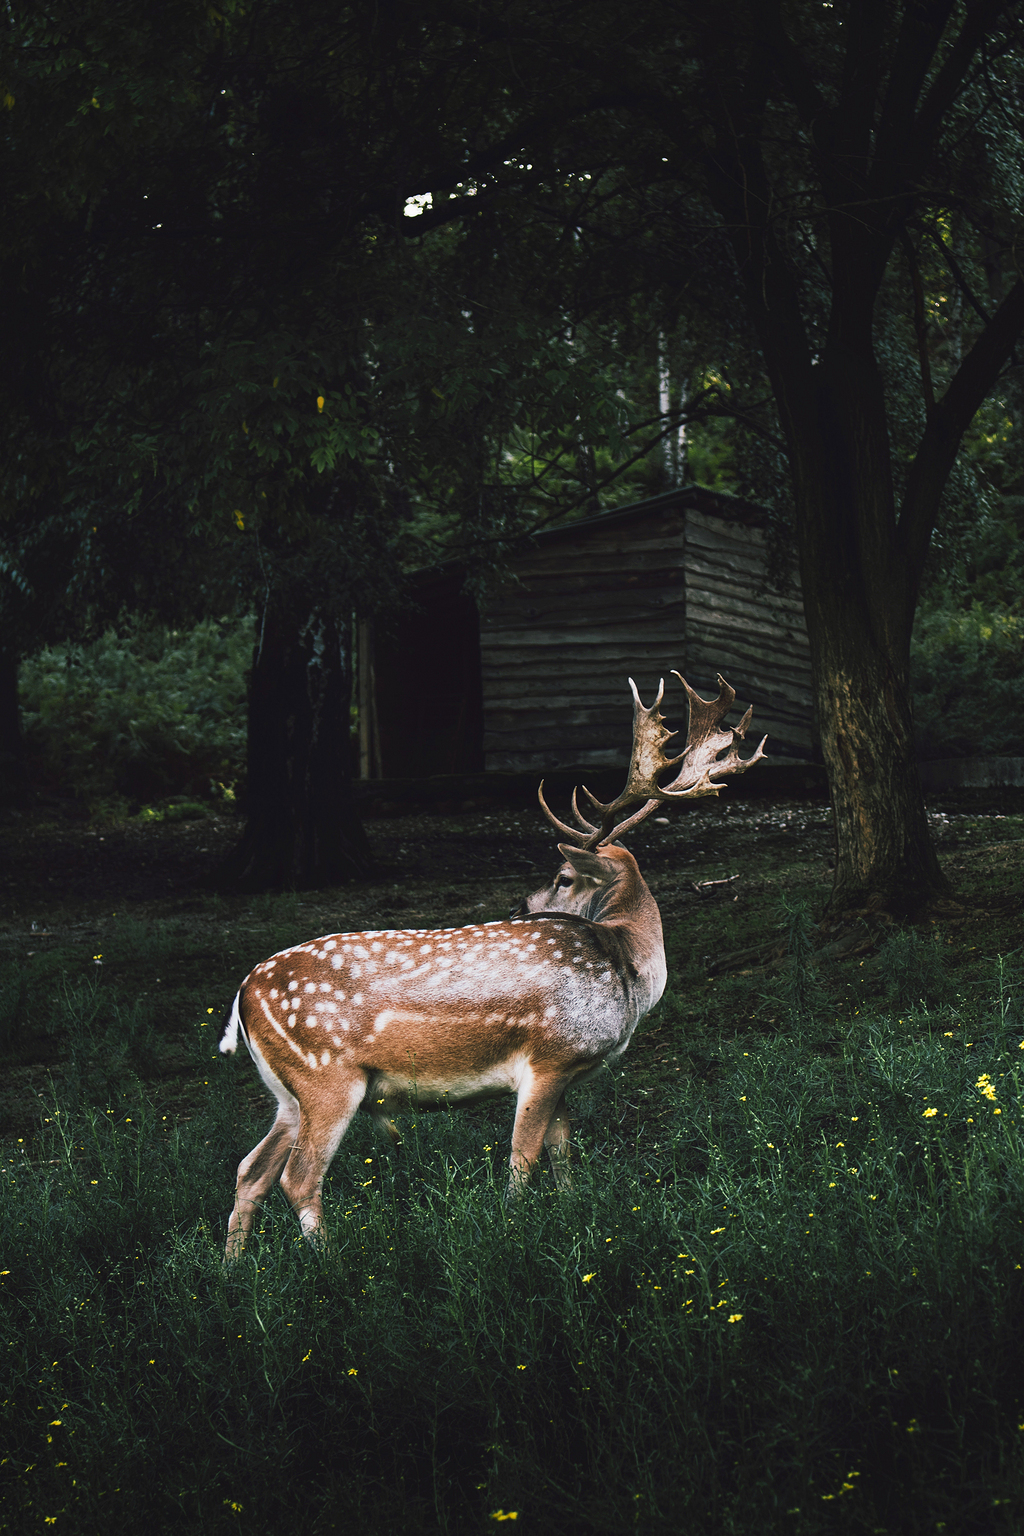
(522, 910)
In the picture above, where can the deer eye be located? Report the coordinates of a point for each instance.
(564, 880)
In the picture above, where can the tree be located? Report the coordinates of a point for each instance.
(835, 148)
(871, 120)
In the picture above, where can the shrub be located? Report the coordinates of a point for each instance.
(967, 681)
(155, 713)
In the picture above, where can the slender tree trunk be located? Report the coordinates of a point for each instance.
(859, 575)
(12, 747)
(303, 829)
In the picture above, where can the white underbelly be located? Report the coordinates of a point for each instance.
(454, 1088)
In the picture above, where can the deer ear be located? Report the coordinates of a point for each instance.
(589, 864)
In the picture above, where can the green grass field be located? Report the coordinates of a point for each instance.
(785, 1295)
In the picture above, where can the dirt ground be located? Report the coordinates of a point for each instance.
(56, 870)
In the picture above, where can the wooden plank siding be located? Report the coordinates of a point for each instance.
(670, 585)
(584, 611)
(675, 583)
(737, 624)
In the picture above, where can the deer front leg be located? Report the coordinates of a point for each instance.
(540, 1102)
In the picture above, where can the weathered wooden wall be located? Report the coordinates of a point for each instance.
(676, 583)
(587, 609)
(670, 585)
(737, 624)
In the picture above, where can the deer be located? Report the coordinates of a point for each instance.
(425, 1018)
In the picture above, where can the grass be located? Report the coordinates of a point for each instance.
(784, 1296)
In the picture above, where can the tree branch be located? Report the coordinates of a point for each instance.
(793, 72)
(947, 424)
(957, 272)
(948, 82)
(920, 323)
(920, 32)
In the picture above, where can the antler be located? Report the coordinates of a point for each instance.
(701, 769)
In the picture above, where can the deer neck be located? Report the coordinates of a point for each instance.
(628, 910)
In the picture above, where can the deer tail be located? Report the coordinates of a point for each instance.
(232, 1024)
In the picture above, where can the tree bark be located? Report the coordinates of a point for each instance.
(12, 747)
(303, 830)
(859, 606)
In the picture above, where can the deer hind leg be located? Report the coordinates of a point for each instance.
(557, 1139)
(540, 1102)
(257, 1172)
(373, 1104)
(322, 1124)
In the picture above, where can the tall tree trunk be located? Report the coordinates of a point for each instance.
(859, 593)
(303, 829)
(12, 747)
(873, 134)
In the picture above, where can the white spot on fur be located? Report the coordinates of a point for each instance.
(337, 962)
(293, 986)
(325, 1057)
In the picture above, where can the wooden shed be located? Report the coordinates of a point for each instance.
(536, 679)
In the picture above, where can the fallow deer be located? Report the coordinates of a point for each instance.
(428, 1017)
